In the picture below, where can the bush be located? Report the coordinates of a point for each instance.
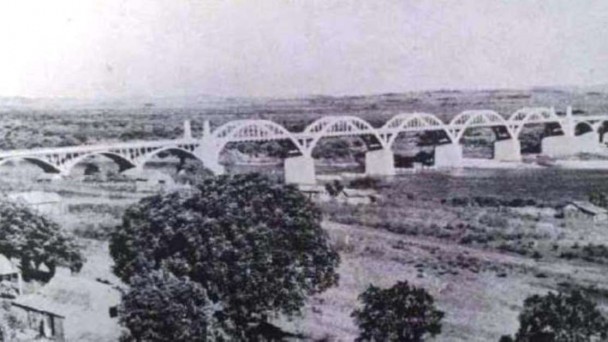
(561, 318)
(256, 247)
(400, 313)
(364, 183)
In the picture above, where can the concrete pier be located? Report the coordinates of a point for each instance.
(210, 158)
(507, 150)
(448, 155)
(380, 163)
(565, 145)
(300, 170)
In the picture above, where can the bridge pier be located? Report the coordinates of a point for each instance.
(448, 155)
(507, 150)
(380, 163)
(210, 157)
(300, 170)
(566, 145)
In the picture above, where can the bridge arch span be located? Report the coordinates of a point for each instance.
(250, 131)
(336, 126)
(123, 162)
(525, 115)
(177, 150)
(412, 122)
(476, 118)
(45, 165)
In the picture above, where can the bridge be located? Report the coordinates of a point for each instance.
(299, 164)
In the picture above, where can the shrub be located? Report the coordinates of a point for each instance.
(400, 313)
(364, 183)
(561, 318)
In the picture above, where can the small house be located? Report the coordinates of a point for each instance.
(585, 211)
(47, 203)
(68, 308)
(319, 193)
(10, 279)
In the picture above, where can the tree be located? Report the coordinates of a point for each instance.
(182, 304)
(36, 240)
(401, 313)
(256, 247)
(561, 318)
(91, 169)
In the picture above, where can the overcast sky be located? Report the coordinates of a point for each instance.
(119, 48)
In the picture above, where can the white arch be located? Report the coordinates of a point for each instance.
(141, 162)
(335, 126)
(45, 165)
(412, 122)
(252, 130)
(475, 118)
(117, 158)
(525, 115)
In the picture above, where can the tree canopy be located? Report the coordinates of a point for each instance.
(255, 246)
(182, 304)
(561, 318)
(401, 313)
(36, 240)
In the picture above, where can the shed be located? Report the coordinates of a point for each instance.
(68, 307)
(10, 278)
(585, 210)
(349, 196)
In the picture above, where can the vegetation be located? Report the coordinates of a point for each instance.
(36, 240)
(401, 313)
(161, 307)
(598, 199)
(256, 247)
(560, 318)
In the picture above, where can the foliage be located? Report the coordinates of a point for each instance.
(36, 240)
(598, 199)
(334, 188)
(192, 171)
(255, 246)
(91, 169)
(561, 318)
(366, 182)
(400, 313)
(183, 305)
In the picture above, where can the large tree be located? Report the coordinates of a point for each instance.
(255, 246)
(36, 240)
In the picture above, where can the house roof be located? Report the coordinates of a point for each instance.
(6, 266)
(35, 197)
(589, 208)
(67, 295)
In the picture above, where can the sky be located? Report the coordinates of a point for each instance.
(285, 48)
